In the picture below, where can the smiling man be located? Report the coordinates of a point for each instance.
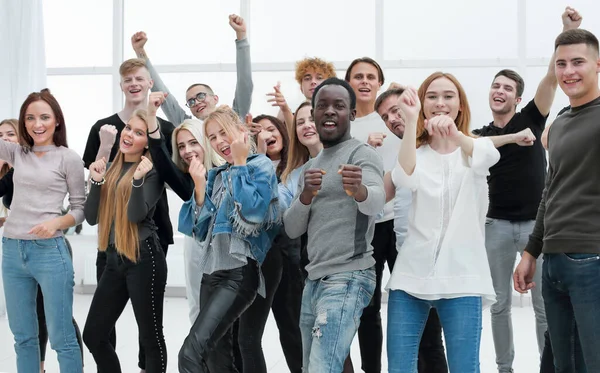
(341, 195)
(515, 184)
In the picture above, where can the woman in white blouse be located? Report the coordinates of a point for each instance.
(443, 262)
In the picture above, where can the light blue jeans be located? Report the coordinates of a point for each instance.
(25, 264)
(461, 323)
(330, 316)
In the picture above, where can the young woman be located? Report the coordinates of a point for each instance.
(34, 249)
(281, 270)
(122, 202)
(443, 262)
(186, 145)
(235, 211)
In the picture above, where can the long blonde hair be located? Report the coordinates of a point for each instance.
(14, 123)
(211, 159)
(230, 122)
(298, 154)
(114, 198)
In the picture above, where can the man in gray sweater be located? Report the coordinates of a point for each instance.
(566, 228)
(199, 97)
(341, 195)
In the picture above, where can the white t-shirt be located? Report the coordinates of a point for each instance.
(360, 130)
(443, 255)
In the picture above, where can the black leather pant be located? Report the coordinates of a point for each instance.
(224, 296)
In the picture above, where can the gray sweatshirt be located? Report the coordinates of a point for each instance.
(569, 213)
(243, 89)
(339, 229)
(41, 184)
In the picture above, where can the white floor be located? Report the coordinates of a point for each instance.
(176, 327)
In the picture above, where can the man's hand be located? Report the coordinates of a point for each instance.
(138, 40)
(278, 99)
(313, 178)
(571, 19)
(523, 276)
(108, 136)
(525, 137)
(394, 85)
(238, 24)
(376, 139)
(352, 181)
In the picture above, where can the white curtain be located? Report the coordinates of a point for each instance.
(22, 62)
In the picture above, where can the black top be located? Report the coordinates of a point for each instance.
(567, 220)
(161, 217)
(181, 182)
(516, 182)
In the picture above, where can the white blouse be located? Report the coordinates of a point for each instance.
(444, 253)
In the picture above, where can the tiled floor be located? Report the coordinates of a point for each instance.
(176, 327)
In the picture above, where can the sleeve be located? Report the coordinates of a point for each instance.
(244, 85)
(92, 205)
(166, 131)
(75, 176)
(181, 183)
(485, 155)
(194, 220)
(91, 147)
(6, 184)
(535, 244)
(295, 219)
(171, 108)
(536, 119)
(252, 188)
(8, 150)
(372, 178)
(144, 197)
(401, 179)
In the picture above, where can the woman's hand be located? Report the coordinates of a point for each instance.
(142, 169)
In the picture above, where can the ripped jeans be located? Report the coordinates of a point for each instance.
(330, 316)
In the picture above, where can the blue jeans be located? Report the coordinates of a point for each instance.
(572, 296)
(461, 323)
(330, 316)
(25, 264)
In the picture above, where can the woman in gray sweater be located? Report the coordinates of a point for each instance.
(34, 249)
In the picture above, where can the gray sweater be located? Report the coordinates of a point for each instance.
(41, 184)
(339, 229)
(569, 212)
(243, 89)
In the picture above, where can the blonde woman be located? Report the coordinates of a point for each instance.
(122, 201)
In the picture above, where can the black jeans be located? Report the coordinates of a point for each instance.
(224, 296)
(144, 283)
(100, 266)
(253, 320)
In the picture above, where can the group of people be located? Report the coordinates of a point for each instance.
(299, 213)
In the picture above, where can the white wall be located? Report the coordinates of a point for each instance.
(191, 41)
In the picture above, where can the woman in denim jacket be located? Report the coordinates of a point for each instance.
(235, 211)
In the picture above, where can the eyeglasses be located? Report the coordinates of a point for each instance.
(200, 97)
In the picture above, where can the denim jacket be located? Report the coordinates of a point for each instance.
(249, 209)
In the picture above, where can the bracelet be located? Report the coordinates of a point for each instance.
(97, 183)
(137, 186)
(156, 130)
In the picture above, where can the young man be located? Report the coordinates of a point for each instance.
(341, 194)
(516, 183)
(199, 97)
(566, 230)
(366, 78)
(432, 357)
(103, 141)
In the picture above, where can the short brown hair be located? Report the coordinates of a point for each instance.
(577, 36)
(131, 65)
(210, 91)
(317, 64)
(514, 76)
(370, 61)
(384, 96)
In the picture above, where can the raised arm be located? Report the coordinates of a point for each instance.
(410, 105)
(175, 113)
(544, 96)
(244, 85)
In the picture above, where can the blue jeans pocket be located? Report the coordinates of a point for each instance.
(49, 243)
(582, 258)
